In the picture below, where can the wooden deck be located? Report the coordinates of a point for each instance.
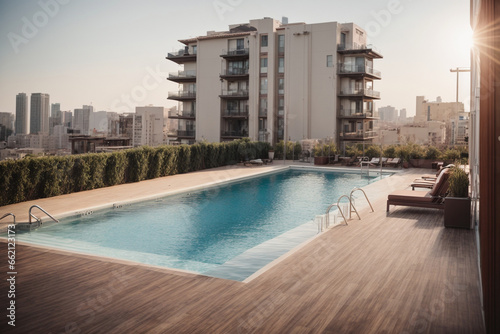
(402, 273)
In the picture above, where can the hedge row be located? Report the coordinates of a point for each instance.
(33, 178)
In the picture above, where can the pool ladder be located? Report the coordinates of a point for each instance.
(352, 208)
(30, 223)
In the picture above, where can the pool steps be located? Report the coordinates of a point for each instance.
(30, 225)
(352, 209)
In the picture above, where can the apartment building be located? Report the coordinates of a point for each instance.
(447, 112)
(269, 80)
(81, 119)
(148, 125)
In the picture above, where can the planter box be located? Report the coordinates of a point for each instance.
(427, 163)
(320, 160)
(457, 212)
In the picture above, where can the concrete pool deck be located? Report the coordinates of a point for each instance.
(402, 272)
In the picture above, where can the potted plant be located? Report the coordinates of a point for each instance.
(457, 203)
(320, 157)
(270, 154)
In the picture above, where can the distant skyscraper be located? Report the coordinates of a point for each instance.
(402, 115)
(22, 115)
(55, 110)
(81, 120)
(39, 115)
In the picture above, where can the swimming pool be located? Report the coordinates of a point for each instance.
(215, 231)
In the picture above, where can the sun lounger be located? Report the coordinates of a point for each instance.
(384, 161)
(432, 199)
(254, 162)
(374, 161)
(393, 162)
(433, 177)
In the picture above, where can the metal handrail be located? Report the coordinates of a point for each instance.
(9, 214)
(356, 189)
(38, 219)
(340, 210)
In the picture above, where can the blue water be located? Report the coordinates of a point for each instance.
(201, 230)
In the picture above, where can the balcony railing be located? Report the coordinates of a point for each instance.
(354, 113)
(357, 69)
(235, 71)
(182, 133)
(242, 93)
(181, 56)
(181, 114)
(235, 52)
(360, 92)
(236, 133)
(360, 134)
(360, 48)
(182, 75)
(182, 95)
(235, 113)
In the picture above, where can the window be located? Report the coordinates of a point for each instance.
(281, 43)
(263, 106)
(329, 61)
(240, 44)
(281, 86)
(263, 41)
(195, 49)
(281, 106)
(263, 65)
(281, 65)
(263, 85)
(343, 38)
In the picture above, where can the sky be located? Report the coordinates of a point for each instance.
(111, 54)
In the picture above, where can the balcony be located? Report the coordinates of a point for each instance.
(182, 56)
(235, 53)
(241, 94)
(235, 74)
(182, 76)
(175, 114)
(234, 134)
(363, 93)
(359, 135)
(182, 95)
(359, 49)
(235, 113)
(182, 134)
(353, 113)
(358, 70)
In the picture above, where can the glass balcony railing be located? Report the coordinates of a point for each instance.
(182, 95)
(360, 92)
(359, 134)
(235, 71)
(357, 69)
(182, 75)
(354, 113)
(235, 113)
(235, 133)
(235, 93)
(181, 114)
(235, 52)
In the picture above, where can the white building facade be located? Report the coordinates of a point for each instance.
(148, 126)
(269, 81)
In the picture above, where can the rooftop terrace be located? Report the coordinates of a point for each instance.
(398, 273)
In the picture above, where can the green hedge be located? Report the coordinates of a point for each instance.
(33, 178)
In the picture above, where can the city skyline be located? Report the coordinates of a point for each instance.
(112, 55)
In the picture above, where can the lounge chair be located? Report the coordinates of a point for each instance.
(254, 162)
(384, 161)
(374, 161)
(431, 199)
(433, 177)
(352, 161)
(393, 162)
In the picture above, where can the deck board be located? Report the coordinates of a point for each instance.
(383, 274)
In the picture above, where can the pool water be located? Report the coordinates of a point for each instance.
(202, 230)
